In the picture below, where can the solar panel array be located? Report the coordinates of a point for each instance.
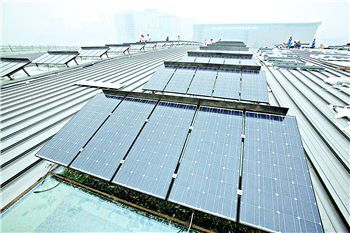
(101, 156)
(93, 51)
(10, 66)
(210, 83)
(68, 142)
(209, 171)
(59, 58)
(192, 155)
(118, 49)
(277, 189)
(152, 160)
(218, 60)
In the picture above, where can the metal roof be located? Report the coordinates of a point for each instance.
(33, 110)
(326, 144)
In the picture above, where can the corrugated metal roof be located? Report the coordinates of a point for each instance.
(326, 143)
(32, 112)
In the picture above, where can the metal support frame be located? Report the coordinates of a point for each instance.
(203, 101)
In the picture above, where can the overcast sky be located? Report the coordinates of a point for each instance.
(77, 22)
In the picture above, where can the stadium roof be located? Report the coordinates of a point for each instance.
(32, 112)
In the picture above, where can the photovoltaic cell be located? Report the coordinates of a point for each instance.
(248, 62)
(180, 81)
(159, 79)
(7, 67)
(92, 52)
(65, 145)
(202, 59)
(54, 58)
(106, 149)
(118, 49)
(277, 189)
(151, 162)
(188, 59)
(254, 87)
(227, 85)
(231, 61)
(208, 175)
(203, 83)
(216, 60)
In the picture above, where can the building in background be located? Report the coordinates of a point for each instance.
(131, 24)
(256, 35)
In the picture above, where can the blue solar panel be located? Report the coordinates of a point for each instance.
(65, 145)
(106, 149)
(227, 85)
(203, 83)
(152, 160)
(159, 79)
(277, 189)
(254, 87)
(209, 171)
(180, 81)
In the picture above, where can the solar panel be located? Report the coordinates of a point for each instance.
(106, 149)
(248, 62)
(118, 49)
(65, 145)
(151, 162)
(93, 51)
(9, 66)
(254, 87)
(231, 61)
(208, 175)
(159, 79)
(188, 59)
(137, 46)
(180, 81)
(216, 60)
(227, 85)
(202, 59)
(203, 83)
(277, 190)
(56, 57)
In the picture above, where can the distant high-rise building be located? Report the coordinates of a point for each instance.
(131, 24)
(256, 35)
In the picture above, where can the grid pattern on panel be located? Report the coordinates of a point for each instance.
(53, 59)
(209, 171)
(152, 160)
(65, 145)
(231, 61)
(216, 60)
(254, 87)
(227, 85)
(203, 83)
(248, 62)
(180, 81)
(8, 67)
(92, 52)
(119, 49)
(277, 190)
(188, 59)
(137, 47)
(202, 59)
(159, 79)
(106, 149)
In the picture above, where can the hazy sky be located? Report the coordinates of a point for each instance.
(78, 22)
